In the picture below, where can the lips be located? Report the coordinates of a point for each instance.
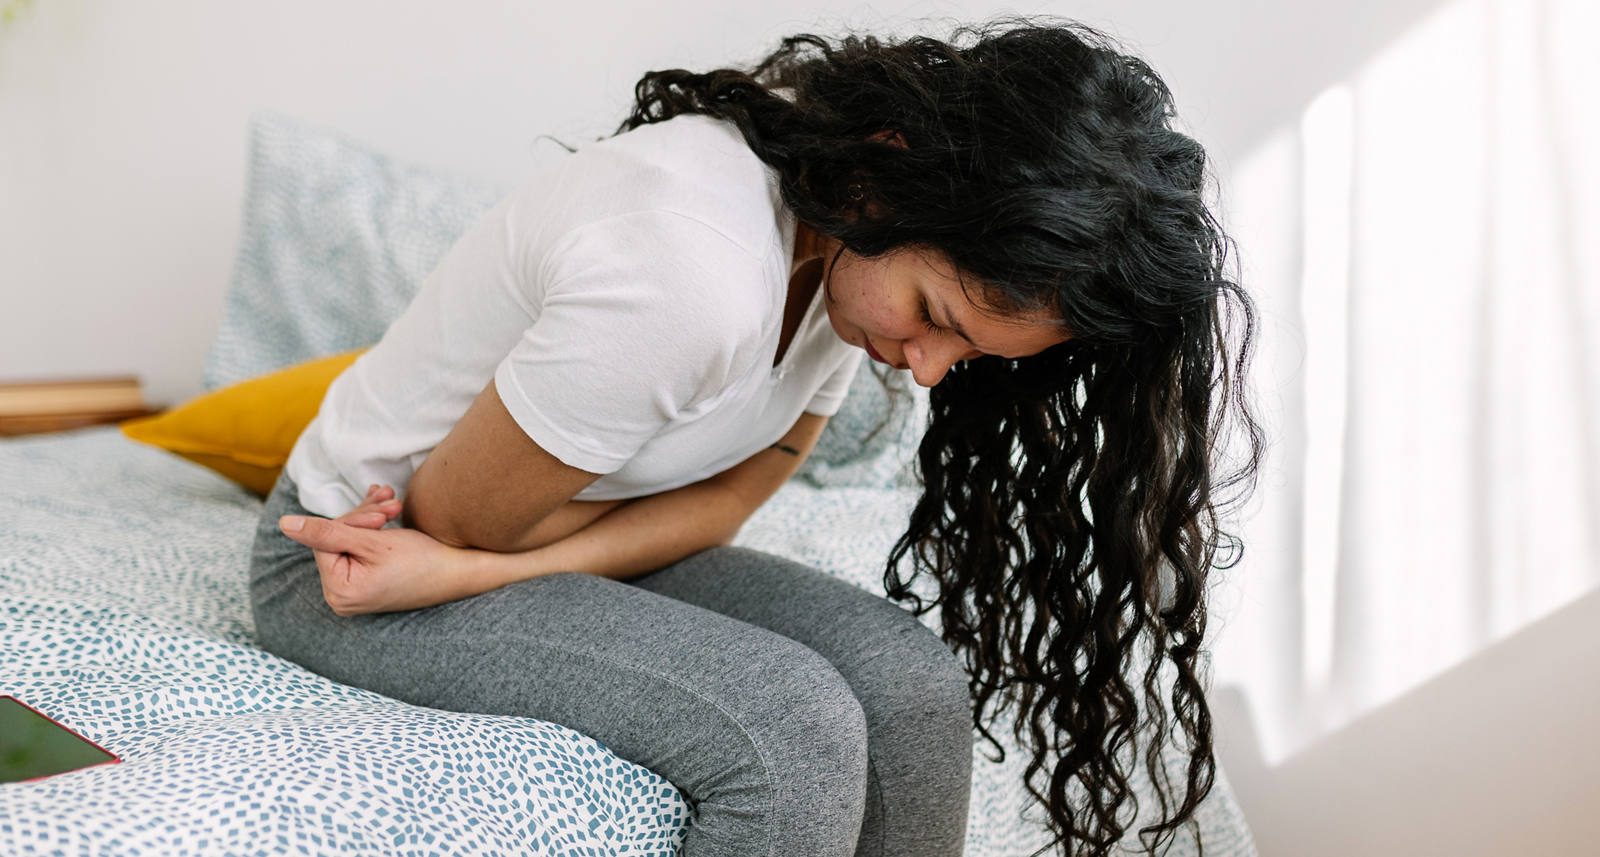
(872, 352)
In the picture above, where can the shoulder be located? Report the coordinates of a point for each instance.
(658, 256)
(666, 284)
(697, 166)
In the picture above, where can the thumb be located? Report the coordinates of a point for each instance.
(322, 534)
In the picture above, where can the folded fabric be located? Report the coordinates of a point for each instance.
(245, 432)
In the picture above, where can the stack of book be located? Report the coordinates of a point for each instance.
(43, 406)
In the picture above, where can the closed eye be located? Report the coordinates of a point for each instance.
(928, 317)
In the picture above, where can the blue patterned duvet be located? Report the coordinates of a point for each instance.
(123, 614)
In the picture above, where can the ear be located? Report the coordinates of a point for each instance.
(891, 137)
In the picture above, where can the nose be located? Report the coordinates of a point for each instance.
(930, 360)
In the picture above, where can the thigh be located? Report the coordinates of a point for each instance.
(761, 734)
(842, 622)
(912, 688)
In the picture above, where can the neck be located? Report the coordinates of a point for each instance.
(808, 246)
(805, 274)
(805, 270)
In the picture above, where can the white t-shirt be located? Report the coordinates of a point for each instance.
(628, 306)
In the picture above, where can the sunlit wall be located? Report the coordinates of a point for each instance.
(1425, 243)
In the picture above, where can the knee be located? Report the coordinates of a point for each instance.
(795, 779)
(808, 702)
(914, 678)
(802, 721)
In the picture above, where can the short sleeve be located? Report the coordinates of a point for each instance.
(826, 401)
(645, 317)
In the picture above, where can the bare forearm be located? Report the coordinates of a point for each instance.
(636, 538)
(649, 533)
(561, 522)
(488, 484)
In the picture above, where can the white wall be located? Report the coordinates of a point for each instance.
(122, 126)
(1498, 756)
(122, 153)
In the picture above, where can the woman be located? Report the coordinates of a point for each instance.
(617, 365)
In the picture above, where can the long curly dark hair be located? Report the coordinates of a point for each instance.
(1072, 500)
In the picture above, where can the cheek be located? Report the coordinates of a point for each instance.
(888, 323)
(886, 317)
(871, 306)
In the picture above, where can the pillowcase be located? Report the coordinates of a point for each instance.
(246, 431)
(338, 238)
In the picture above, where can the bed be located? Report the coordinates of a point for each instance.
(125, 613)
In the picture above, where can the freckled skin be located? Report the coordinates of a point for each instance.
(879, 303)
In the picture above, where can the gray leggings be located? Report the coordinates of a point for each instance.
(796, 713)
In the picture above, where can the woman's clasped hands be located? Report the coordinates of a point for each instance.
(368, 569)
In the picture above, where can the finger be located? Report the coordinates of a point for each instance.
(371, 520)
(334, 570)
(370, 504)
(325, 535)
(357, 515)
(387, 508)
(332, 567)
(374, 504)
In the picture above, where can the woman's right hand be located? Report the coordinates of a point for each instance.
(374, 570)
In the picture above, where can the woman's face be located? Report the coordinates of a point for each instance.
(907, 309)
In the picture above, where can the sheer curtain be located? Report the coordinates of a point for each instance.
(1425, 249)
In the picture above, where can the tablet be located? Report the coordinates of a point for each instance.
(34, 746)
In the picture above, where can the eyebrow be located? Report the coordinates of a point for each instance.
(950, 319)
(944, 310)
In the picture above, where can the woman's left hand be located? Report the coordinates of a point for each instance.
(367, 569)
(379, 507)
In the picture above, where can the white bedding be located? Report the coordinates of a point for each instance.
(122, 573)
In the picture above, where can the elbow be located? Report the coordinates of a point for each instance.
(423, 511)
(420, 516)
(461, 533)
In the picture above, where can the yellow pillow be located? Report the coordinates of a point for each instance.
(245, 432)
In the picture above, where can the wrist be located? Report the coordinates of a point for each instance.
(493, 569)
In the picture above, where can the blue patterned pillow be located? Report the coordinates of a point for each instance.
(337, 239)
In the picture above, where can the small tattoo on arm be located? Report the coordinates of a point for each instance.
(789, 449)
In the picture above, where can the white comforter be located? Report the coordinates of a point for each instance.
(124, 615)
